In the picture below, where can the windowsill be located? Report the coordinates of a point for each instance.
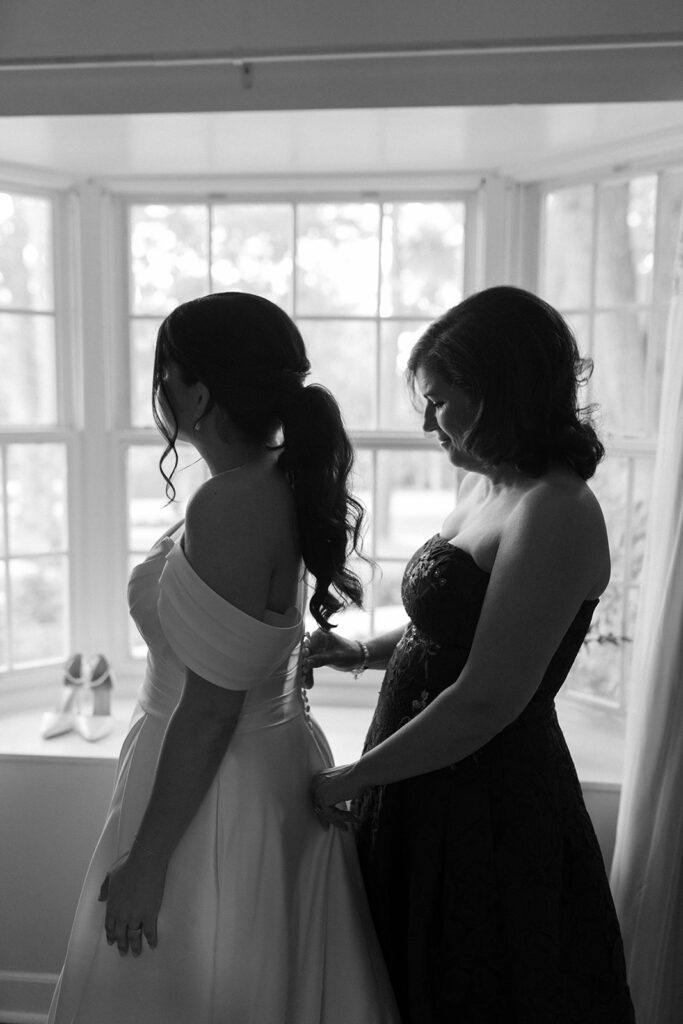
(20, 737)
(343, 707)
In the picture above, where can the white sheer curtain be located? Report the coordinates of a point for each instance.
(647, 872)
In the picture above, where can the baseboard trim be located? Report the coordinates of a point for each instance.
(25, 996)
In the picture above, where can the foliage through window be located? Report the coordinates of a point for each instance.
(34, 599)
(362, 279)
(607, 259)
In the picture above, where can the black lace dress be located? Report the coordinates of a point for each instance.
(485, 878)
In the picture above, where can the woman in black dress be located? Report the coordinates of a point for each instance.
(483, 871)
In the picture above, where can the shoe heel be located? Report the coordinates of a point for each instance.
(62, 719)
(99, 722)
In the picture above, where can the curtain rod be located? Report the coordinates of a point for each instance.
(240, 59)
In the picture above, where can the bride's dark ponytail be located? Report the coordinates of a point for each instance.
(317, 457)
(252, 358)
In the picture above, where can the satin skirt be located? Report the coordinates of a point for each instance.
(264, 918)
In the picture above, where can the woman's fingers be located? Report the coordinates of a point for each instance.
(129, 938)
(135, 940)
(150, 931)
(319, 647)
(110, 928)
(314, 661)
(337, 816)
(329, 813)
(121, 935)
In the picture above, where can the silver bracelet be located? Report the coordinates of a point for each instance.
(365, 653)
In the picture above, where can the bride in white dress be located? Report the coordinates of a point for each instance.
(215, 895)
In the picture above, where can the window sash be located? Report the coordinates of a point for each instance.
(632, 449)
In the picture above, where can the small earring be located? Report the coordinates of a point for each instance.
(197, 425)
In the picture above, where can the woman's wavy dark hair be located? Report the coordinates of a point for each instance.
(518, 359)
(252, 358)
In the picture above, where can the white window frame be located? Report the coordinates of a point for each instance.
(473, 191)
(91, 309)
(631, 448)
(21, 685)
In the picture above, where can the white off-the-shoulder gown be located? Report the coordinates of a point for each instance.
(264, 918)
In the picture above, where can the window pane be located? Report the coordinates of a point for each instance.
(415, 493)
(39, 609)
(396, 411)
(337, 259)
(4, 654)
(566, 260)
(658, 339)
(353, 622)
(169, 262)
(620, 353)
(143, 336)
(342, 355)
(361, 485)
(625, 254)
(423, 258)
(670, 200)
(631, 609)
(640, 509)
(26, 252)
(251, 247)
(28, 382)
(149, 513)
(580, 325)
(388, 606)
(36, 498)
(611, 486)
(598, 666)
(3, 550)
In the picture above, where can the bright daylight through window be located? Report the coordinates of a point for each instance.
(362, 276)
(607, 261)
(361, 279)
(34, 600)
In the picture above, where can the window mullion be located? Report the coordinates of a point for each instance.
(95, 500)
(295, 270)
(651, 425)
(378, 320)
(8, 584)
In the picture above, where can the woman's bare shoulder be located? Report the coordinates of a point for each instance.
(256, 494)
(563, 490)
(239, 533)
(562, 511)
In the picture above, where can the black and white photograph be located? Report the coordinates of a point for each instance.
(341, 512)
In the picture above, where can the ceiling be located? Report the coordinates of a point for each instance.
(524, 142)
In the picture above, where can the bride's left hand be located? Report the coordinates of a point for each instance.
(133, 890)
(334, 786)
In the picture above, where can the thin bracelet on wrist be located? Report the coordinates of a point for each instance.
(365, 659)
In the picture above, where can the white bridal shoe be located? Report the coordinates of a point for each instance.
(87, 681)
(98, 721)
(62, 720)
